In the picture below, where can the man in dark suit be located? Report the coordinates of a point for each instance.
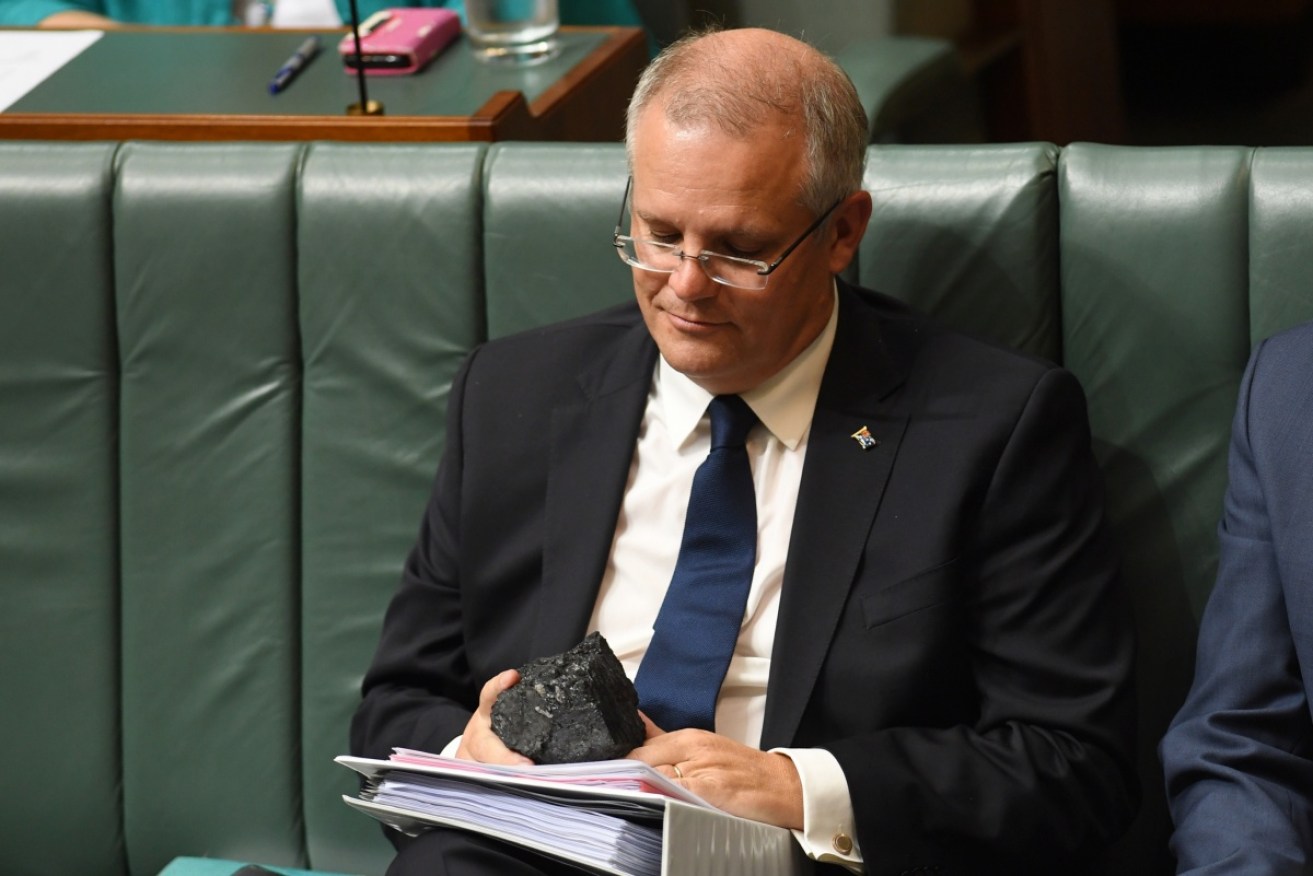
(932, 668)
(1239, 756)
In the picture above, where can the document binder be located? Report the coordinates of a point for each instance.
(695, 839)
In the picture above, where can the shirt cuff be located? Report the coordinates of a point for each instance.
(828, 833)
(450, 749)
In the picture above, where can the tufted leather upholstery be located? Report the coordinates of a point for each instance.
(222, 374)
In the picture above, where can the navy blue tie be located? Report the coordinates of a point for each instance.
(695, 631)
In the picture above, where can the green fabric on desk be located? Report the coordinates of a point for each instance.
(220, 867)
(227, 72)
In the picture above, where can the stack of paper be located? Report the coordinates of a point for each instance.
(604, 815)
(613, 817)
(603, 841)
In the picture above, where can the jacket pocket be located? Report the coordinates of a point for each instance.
(927, 589)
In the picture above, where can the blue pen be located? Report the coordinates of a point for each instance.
(294, 65)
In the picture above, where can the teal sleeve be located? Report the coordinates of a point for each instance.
(26, 13)
(367, 8)
(613, 12)
(164, 12)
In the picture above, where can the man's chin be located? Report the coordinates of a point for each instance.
(693, 357)
(712, 373)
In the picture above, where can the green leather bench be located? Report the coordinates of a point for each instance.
(222, 379)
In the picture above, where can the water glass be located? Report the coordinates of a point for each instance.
(512, 31)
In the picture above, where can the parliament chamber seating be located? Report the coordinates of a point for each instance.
(223, 369)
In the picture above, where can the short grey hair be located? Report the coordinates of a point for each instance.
(700, 82)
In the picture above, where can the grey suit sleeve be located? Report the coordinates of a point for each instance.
(1237, 757)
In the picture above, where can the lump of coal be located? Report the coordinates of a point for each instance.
(573, 707)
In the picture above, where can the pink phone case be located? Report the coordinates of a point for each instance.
(398, 41)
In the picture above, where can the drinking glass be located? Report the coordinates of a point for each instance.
(512, 31)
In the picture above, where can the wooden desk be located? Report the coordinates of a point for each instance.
(212, 84)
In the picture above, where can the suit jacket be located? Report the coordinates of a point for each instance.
(951, 627)
(1239, 755)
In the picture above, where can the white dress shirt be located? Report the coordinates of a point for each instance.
(673, 440)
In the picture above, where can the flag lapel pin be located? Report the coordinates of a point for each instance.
(864, 439)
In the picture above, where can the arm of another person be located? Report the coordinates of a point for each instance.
(101, 14)
(1237, 757)
(54, 13)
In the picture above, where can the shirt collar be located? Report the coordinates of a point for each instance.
(784, 403)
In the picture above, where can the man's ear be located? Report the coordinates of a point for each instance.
(847, 226)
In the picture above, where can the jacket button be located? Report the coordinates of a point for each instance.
(843, 844)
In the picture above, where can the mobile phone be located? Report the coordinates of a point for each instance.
(399, 41)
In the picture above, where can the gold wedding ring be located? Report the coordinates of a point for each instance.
(679, 774)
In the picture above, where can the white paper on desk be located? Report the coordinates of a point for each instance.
(29, 57)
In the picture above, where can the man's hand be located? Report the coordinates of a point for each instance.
(479, 742)
(740, 780)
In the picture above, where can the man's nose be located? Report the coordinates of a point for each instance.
(689, 280)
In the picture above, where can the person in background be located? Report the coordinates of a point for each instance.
(99, 14)
(1239, 755)
(855, 563)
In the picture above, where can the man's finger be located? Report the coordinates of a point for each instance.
(495, 685)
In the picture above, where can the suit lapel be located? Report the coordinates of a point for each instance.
(842, 485)
(592, 445)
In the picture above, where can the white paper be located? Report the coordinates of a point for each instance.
(28, 57)
(600, 839)
(412, 822)
(605, 815)
(618, 818)
(617, 779)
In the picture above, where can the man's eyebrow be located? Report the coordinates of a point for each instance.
(646, 217)
(736, 231)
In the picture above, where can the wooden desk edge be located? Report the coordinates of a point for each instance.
(624, 47)
(507, 115)
(502, 117)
